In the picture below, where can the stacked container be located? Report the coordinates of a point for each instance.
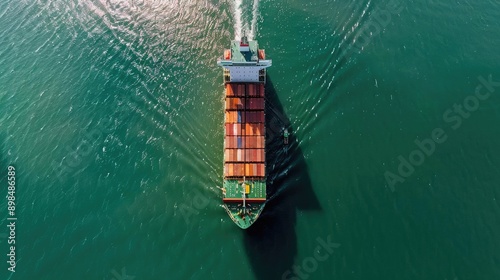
(244, 145)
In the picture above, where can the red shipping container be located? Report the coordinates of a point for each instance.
(234, 87)
(251, 91)
(259, 155)
(233, 129)
(255, 116)
(261, 170)
(249, 155)
(253, 155)
(255, 103)
(234, 142)
(251, 142)
(261, 117)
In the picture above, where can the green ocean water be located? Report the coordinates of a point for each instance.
(112, 114)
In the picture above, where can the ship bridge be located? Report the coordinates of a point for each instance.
(244, 62)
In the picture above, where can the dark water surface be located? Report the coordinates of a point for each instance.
(111, 112)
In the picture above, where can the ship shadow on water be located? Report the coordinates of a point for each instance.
(271, 243)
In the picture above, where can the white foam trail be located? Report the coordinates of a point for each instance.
(255, 15)
(237, 19)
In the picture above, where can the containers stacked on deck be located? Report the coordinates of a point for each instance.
(244, 153)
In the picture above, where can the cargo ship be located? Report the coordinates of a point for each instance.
(244, 75)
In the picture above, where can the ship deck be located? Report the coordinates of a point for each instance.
(254, 191)
(238, 56)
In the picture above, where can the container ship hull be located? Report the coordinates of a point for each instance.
(244, 187)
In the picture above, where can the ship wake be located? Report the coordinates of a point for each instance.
(240, 24)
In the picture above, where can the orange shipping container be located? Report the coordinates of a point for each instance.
(248, 170)
(234, 103)
(254, 129)
(235, 117)
(239, 169)
(254, 142)
(229, 90)
(229, 169)
(229, 117)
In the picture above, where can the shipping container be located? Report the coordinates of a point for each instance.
(254, 155)
(239, 169)
(252, 90)
(229, 90)
(254, 142)
(254, 116)
(247, 170)
(241, 89)
(235, 117)
(233, 129)
(256, 103)
(254, 129)
(230, 142)
(234, 103)
(261, 171)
